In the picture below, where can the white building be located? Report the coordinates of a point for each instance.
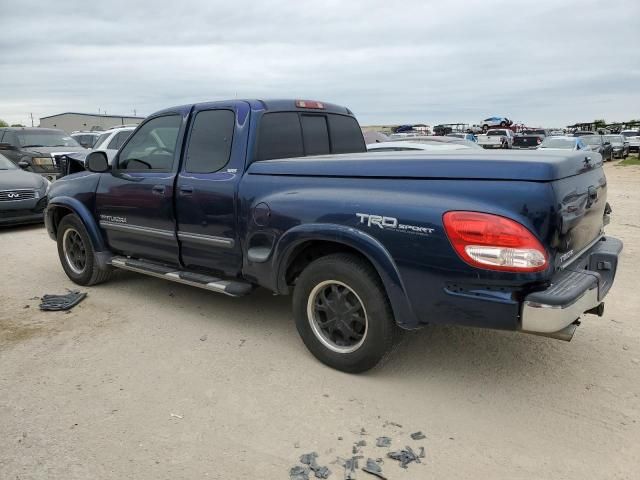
(72, 121)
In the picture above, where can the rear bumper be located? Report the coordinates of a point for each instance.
(573, 291)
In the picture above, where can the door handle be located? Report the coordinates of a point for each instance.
(186, 190)
(158, 189)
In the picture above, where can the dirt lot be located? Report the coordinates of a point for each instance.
(152, 380)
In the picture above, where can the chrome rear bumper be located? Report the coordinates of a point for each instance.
(573, 291)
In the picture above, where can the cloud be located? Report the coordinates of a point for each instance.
(545, 62)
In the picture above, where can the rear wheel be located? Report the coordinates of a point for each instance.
(503, 123)
(342, 313)
(76, 253)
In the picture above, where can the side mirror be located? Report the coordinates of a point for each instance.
(23, 165)
(7, 146)
(97, 162)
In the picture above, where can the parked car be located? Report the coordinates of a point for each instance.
(23, 195)
(496, 138)
(38, 150)
(529, 139)
(437, 139)
(421, 146)
(86, 139)
(487, 123)
(216, 196)
(111, 140)
(597, 143)
(619, 144)
(465, 136)
(633, 137)
(563, 143)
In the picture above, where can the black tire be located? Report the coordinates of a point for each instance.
(503, 123)
(87, 273)
(485, 128)
(358, 276)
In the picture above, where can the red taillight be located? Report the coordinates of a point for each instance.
(309, 104)
(494, 242)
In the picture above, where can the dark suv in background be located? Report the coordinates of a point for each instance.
(597, 143)
(38, 150)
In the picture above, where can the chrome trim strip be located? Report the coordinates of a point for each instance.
(124, 227)
(207, 239)
(538, 317)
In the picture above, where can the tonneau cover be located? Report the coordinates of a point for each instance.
(535, 165)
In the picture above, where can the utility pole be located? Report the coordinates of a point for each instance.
(134, 112)
(31, 115)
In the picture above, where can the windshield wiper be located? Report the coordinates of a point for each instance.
(27, 146)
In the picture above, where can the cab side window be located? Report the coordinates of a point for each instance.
(153, 146)
(210, 141)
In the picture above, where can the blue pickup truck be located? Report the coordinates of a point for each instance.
(228, 196)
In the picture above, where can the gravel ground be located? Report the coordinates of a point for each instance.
(151, 380)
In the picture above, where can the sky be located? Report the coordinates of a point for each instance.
(542, 62)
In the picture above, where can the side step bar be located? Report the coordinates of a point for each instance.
(233, 288)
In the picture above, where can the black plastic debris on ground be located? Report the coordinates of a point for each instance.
(299, 473)
(418, 436)
(373, 467)
(54, 303)
(383, 442)
(406, 456)
(310, 459)
(350, 466)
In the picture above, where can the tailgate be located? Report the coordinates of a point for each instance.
(581, 201)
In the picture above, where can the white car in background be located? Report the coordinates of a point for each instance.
(422, 146)
(563, 143)
(633, 137)
(111, 140)
(496, 138)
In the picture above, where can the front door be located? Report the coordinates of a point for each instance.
(206, 187)
(134, 203)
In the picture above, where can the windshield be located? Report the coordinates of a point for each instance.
(617, 139)
(101, 140)
(564, 143)
(630, 133)
(6, 164)
(496, 132)
(592, 140)
(40, 138)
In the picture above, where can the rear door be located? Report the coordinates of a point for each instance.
(134, 203)
(212, 166)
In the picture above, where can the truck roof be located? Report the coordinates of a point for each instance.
(274, 105)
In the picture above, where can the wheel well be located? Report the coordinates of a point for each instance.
(309, 251)
(57, 215)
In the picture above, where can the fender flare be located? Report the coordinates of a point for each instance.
(365, 244)
(83, 213)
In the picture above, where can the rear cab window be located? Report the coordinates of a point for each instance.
(210, 140)
(296, 134)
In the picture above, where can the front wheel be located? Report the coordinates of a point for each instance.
(76, 253)
(342, 313)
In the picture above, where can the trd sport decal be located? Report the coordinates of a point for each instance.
(391, 223)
